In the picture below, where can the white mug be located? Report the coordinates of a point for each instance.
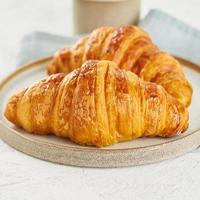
(91, 14)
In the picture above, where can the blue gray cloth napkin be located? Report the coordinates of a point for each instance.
(169, 33)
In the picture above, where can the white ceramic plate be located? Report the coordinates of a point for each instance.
(136, 152)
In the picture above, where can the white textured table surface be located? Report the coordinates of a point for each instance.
(24, 177)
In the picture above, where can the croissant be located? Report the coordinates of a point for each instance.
(98, 104)
(131, 49)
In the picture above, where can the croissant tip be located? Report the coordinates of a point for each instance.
(9, 112)
(51, 69)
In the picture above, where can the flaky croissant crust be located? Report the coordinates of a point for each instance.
(131, 49)
(97, 104)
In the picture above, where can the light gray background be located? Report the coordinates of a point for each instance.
(23, 177)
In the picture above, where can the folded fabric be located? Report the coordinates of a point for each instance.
(169, 33)
(40, 44)
(173, 35)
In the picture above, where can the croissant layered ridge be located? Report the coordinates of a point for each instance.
(131, 49)
(98, 104)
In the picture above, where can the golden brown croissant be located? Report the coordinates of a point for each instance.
(132, 49)
(97, 104)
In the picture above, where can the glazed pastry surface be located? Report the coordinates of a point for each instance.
(131, 49)
(97, 104)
